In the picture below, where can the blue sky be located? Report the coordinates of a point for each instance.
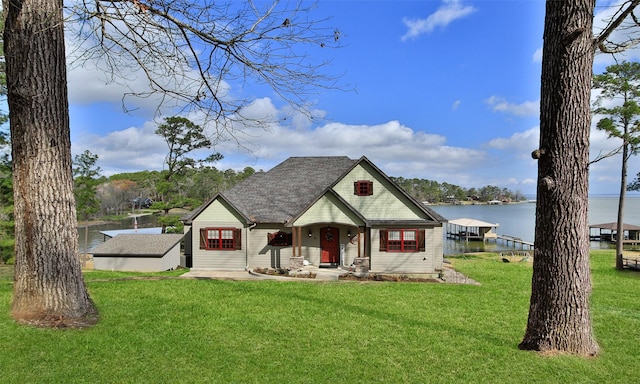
(443, 90)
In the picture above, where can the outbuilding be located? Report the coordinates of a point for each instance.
(138, 253)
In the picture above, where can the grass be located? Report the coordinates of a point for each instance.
(178, 330)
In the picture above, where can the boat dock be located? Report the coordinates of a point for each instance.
(475, 230)
(515, 241)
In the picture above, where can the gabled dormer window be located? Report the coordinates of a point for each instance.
(363, 188)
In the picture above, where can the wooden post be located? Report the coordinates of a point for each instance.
(299, 241)
(294, 239)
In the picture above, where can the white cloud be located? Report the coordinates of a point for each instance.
(527, 108)
(129, 150)
(522, 143)
(537, 56)
(449, 11)
(456, 104)
(399, 150)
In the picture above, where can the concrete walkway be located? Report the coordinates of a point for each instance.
(451, 276)
(322, 274)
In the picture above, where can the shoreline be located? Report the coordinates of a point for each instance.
(91, 223)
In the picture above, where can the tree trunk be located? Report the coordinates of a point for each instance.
(559, 316)
(623, 190)
(48, 285)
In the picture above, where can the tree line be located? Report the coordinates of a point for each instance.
(430, 191)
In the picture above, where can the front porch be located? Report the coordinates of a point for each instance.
(328, 245)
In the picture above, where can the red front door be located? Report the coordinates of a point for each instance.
(330, 245)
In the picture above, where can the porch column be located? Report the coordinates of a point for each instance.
(296, 261)
(299, 241)
(362, 262)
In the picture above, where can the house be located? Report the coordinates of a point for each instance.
(138, 253)
(326, 211)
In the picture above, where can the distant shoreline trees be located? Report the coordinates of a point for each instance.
(199, 184)
(434, 192)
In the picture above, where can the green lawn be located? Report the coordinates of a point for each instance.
(177, 330)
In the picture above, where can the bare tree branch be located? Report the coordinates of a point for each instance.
(602, 156)
(602, 41)
(197, 55)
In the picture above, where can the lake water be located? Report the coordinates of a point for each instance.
(95, 237)
(519, 220)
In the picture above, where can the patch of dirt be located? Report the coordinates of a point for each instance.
(50, 321)
(391, 278)
(284, 273)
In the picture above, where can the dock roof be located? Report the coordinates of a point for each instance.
(466, 222)
(614, 226)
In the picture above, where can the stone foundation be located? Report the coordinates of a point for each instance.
(361, 265)
(296, 263)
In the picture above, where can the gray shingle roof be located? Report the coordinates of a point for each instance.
(281, 193)
(138, 245)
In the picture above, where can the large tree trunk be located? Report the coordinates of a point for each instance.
(559, 316)
(48, 285)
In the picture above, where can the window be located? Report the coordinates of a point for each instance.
(220, 238)
(402, 240)
(363, 188)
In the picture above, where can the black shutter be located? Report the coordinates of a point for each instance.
(237, 239)
(384, 235)
(421, 240)
(203, 238)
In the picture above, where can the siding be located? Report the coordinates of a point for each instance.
(261, 254)
(386, 203)
(170, 260)
(328, 209)
(410, 262)
(218, 215)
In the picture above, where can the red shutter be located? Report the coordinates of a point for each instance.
(237, 239)
(421, 240)
(370, 187)
(203, 238)
(383, 239)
